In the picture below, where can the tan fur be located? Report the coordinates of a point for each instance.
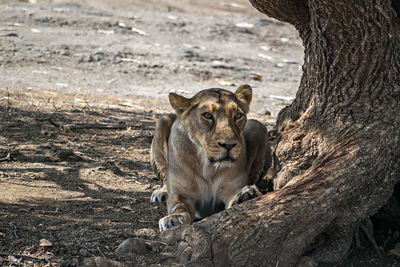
(208, 154)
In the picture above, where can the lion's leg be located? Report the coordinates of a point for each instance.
(179, 212)
(160, 194)
(158, 154)
(258, 150)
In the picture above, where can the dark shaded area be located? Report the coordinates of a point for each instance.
(396, 7)
(387, 221)
(84, 190)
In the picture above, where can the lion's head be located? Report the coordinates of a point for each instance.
(214, 120)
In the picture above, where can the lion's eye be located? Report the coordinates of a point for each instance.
(238, 116)
(207, 115)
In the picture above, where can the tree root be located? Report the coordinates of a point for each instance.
(336, 246)
(191, 244)
(367, 227)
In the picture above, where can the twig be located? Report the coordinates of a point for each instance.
(22, 256)
(100, 252)
(84, 247)
(99, 126)
(94, 126)
(6, 158)
(50, 120)
(15, 232)
(367, 228)
(8, 101)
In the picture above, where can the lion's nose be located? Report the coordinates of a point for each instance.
(227, 146)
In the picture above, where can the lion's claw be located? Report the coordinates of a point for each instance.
(170, 221)
(159, 195)
(246, 193)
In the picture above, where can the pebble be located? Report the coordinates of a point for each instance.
(45, 243)
(244, 25)
(280, 65)
(256, 76)
(132, 246)
(83, 252)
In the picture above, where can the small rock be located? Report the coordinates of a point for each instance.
(267, 112)
(261, 55)
(280, 65)
(256, 76)
(83, 252)
(45, 243)
(244, 25)
(138, 31)
(68, 155)
(133, 246)
(265, 48)
(226, 83)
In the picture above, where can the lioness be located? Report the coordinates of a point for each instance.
(208, 154)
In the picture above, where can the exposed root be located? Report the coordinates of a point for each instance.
(367, 227)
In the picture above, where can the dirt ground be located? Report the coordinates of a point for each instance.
(129, 48)
(71, 189)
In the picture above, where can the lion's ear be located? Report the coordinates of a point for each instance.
(244, 93)
(179, 103)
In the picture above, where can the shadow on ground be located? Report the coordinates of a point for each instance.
(84, 190)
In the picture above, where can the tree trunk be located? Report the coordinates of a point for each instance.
(337, 158)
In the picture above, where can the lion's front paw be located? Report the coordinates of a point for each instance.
(172, 220)
(246, 193)
(159, 195)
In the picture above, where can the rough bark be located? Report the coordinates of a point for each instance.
(337, 158)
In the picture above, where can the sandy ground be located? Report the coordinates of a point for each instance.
(72, 191)
(131, 48)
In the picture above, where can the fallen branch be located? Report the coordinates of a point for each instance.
(94, 126)
(24, 257)
(6, 158)
(81, 126)
(51, 121)
(100, 252)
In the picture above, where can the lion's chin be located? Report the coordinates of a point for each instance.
(226, 159)
(222, 163)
